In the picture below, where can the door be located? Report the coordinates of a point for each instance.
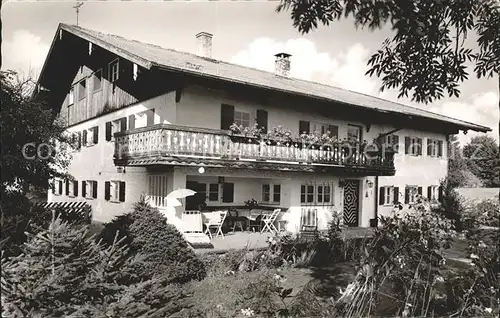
(192, 202)
(351, 202)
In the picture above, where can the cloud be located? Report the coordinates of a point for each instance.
(24, 52)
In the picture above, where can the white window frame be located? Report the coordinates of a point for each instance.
(434, 147)
(114, 190)
(238, 118)
(90, 137)
(270, 193)
(388, 195)
(89, 193)
(434, 193)
(318, 128)
(115, 128)
(71, 96)
(114, 74)
(413, 150)
(412, 198)
(208, 191)
(94, 80)
(323, 193)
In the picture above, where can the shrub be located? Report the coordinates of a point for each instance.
(64, 272)
(166, 250)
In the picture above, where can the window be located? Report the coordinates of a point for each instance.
(114, 71)
(392, 141)
(82, 89)
(271, 193)
(411, 193)
(242, 118)
(114, 191)
(115, 126)
(354, 133)
(71, 96)
(434, 148)
(58, 187)
(433, 193)
(97, 81)
(89, 189)
(90, 136)
(324, 194)
(306, 194)
(213, 192)
(157, 190)
(413, 146)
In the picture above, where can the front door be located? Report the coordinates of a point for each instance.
(351, 202)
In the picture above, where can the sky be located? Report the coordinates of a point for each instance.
(245, 32)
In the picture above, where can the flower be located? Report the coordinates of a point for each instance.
(488, 310)
(247, 312)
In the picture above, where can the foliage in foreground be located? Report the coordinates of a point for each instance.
(146, 232)
(63, 271)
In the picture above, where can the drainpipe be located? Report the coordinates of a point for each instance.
(375, 220)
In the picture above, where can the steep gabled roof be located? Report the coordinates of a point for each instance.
(152, 56)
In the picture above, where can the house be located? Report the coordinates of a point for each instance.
(149, 120)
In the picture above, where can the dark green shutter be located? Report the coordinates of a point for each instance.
(123, 123)
(79, 144)
(381, 197)
(396, 195)
(122, 191)
(84, 189)
(150, 120)
(67, 187)
(420, 190)
(304, 127)
(429, 147)
(262, 120)
(226, 116)
(107, 186)
(407, 195)
(440, 194)
(131, 122)
(419, 140)
(407, 145)
(75, 188)
(96, 134)
(108, 131)
(228, 192)
(429, 192)
(440, 148)
(94, 189)
(84, 137)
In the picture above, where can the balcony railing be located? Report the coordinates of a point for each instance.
(164, 140)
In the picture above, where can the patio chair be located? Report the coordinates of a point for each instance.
(215, 220)
(269, 220)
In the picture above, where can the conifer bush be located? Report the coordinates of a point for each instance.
(63, 271)
(165, 249)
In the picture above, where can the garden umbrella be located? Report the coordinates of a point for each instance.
(180, 194)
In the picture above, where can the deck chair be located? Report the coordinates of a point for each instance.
(215, 220)
(268, 220)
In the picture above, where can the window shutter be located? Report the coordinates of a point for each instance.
(228, 192)
(54, 187)
(96, 134)
(84, 189)
(150, 120)
(122, 191)
(262, 120)
(60, 190)
(108, 131)
(123, 123)
(440, 148)
(334, 131)
(67, 187)
(419, 146)
(94, 189)
(84, 134)
(429, 147)
(396, 195)
(395, 143)
(381, 196)
(429, 192)
(304, 127)
(420, 190)
(75, 188)
(79, 141)
(226, 116)
(107, 186)
(131, 122)
(407, 195)
(440, 194)
(407, 145)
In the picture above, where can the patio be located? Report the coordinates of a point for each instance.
(255, 240)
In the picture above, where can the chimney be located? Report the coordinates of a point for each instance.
(282, 64)
(204, 44)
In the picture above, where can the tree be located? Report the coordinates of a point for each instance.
(34, 146)
(459, 174)
(427, 56)
(483, 159)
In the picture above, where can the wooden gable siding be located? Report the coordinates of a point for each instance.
(110, 96)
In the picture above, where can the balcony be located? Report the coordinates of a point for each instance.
(179, 145)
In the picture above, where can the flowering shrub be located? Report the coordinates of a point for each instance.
(253, 131)
(485, 212)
